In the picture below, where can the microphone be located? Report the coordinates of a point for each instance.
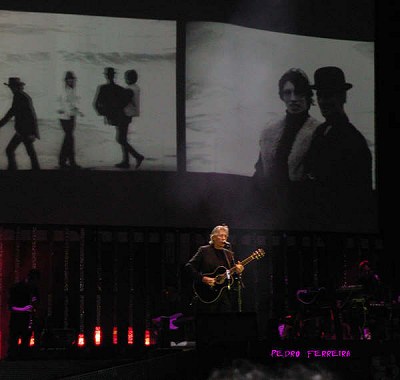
(227, 244)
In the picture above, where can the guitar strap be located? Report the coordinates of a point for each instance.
(231, 262)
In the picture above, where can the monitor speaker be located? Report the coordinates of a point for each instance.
(225, 328)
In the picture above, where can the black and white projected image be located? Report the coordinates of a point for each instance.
(243, 90)
(61, 61)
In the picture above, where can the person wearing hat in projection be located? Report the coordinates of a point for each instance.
(25, 124)
(338, 164)
(68, 111)
(110, 101)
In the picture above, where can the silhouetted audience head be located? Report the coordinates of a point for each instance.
(302, 372)
(242, 369)
(239, 370)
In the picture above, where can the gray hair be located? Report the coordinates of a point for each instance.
(216, 230)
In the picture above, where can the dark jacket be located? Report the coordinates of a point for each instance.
(110, 101)
(339, 158)
(207, 259)
(23, 112)
(338, 193)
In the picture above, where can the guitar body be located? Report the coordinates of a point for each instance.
(223, 279)
(209, 294)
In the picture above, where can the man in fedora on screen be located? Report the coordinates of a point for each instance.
(26, 128)
(339, 163)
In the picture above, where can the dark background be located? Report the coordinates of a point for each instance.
(151, 217)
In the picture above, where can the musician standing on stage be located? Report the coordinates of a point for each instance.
(203, 264)
(371, 324)
(371, 283)
(23, 299)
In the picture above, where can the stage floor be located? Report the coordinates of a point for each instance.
(152, 363)
(347, 359)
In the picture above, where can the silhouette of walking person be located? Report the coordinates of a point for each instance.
(132, 109)
(110, 102)
(26, 128)
(68, 110)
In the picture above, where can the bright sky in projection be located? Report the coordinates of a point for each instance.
(39, 48)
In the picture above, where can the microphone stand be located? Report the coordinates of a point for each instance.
(237, 277)
(240, 286)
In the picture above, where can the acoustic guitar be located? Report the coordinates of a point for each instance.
(223, 279)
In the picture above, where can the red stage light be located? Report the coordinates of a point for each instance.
(32, 340)
(81, 340)
(147, 337)
(115, 335)
(131, 335)
(97, 336)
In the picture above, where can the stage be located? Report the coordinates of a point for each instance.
(345, 359)
(153, 363)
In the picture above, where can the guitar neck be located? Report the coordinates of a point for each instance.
(244, 262)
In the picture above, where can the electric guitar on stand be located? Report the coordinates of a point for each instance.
(223, 279)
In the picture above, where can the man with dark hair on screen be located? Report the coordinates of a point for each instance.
(26, 128)
(110, 102)
(339, 163)
(23, 300)
(283, 144)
